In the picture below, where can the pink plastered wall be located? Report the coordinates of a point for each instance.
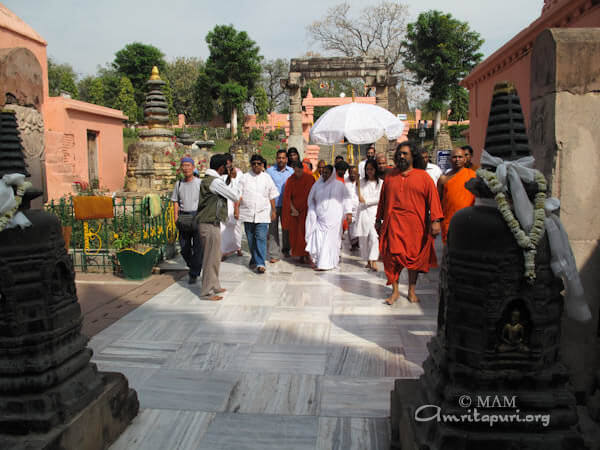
(67, 124)
(512, 62)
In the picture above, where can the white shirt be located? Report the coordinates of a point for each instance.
(257, 191)
(219, 187)
(434, 172)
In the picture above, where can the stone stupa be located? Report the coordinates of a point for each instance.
(51, 395)
(150, 160)
(496, 351)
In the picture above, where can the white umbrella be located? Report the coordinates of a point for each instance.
(359, 123)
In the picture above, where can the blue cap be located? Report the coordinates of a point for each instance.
(187, 159)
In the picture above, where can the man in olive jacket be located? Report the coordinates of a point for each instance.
(212, 210)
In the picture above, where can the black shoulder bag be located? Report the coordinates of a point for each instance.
(184, 221)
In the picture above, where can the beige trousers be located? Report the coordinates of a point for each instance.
(210, 237)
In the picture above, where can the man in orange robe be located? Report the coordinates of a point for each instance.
(294, 209)
(451, 188)
(408, 219)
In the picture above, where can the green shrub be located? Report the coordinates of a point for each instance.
(456, 130)
(275, 135)
(130, 133)
(256, 134)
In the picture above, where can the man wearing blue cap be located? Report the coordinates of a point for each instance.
(185, 198)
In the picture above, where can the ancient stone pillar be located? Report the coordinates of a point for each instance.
(565, 113)
(294, 84)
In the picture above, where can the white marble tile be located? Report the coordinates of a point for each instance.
(282, 394)
(136, 376)
(251, 300)
(164, 330)
(353, 433)
(286, 358)
(299, 296)
(187, 390)
(370, 361)
(235, 332)
(242, 313)
(260, 285)
(112, 333)
(210, 356)
(156, 429)
(305, 314)
(297, 333)
(133, 353)
(260, 432)
(355, 397)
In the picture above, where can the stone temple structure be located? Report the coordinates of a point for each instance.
(51, 396)
(149, 167)
(497, 345)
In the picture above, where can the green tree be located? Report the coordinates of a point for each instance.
(182, 74)
(459, 104)
(135, 61)
(274, 70)
(231, 74)
(126, 100)
(440, 51)
(169, 98)
(261, 105)
(96, 92)
(62, 78)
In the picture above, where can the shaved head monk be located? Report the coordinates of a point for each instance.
(295, 207)
(382, 164)
(405, 234)
(451, 187)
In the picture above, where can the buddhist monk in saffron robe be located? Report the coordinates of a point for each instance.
(294, 209)
(451, 188)
(406, 232)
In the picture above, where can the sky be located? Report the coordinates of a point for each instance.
(86, 33)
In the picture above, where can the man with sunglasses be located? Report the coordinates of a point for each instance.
(257, 209)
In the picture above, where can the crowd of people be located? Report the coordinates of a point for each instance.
(390, 213)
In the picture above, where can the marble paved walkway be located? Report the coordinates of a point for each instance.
(292, 359)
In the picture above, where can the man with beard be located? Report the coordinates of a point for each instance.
(361, 165)
(408, 219)
(293, 155)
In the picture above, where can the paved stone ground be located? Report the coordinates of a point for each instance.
(293, 359)
(105, 298)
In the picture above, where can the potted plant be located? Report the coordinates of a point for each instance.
(136, 260)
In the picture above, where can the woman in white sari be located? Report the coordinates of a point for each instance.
(231, 231)
(369, 189)
(328, 201)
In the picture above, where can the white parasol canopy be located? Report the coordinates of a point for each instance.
(359, 123)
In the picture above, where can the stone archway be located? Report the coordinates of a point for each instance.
(372, 70)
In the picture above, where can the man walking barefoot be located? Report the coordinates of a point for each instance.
(406, 233)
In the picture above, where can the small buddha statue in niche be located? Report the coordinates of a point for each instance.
(513, 335)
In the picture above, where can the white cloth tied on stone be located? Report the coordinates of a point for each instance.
(8, 201)
(512, 174)
(563, 264)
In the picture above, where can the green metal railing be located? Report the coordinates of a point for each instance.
(91, 240)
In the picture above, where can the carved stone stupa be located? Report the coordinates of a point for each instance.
(51, 396)
(149, 161)
(497, 344)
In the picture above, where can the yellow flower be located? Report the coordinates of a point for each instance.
(145, 234)
(115, 236)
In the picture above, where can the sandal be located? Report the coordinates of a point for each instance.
(260, 269)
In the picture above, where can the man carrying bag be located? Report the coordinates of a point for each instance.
(185, 198)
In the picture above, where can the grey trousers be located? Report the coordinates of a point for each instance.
(210, 237)
(274, 250)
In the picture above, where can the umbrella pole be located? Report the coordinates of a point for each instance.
(332, 153)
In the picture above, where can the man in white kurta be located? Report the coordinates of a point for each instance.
(328, 202)
(231, 231)
(257, 210)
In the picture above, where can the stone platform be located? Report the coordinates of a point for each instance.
(96, 426)
(291, 359)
